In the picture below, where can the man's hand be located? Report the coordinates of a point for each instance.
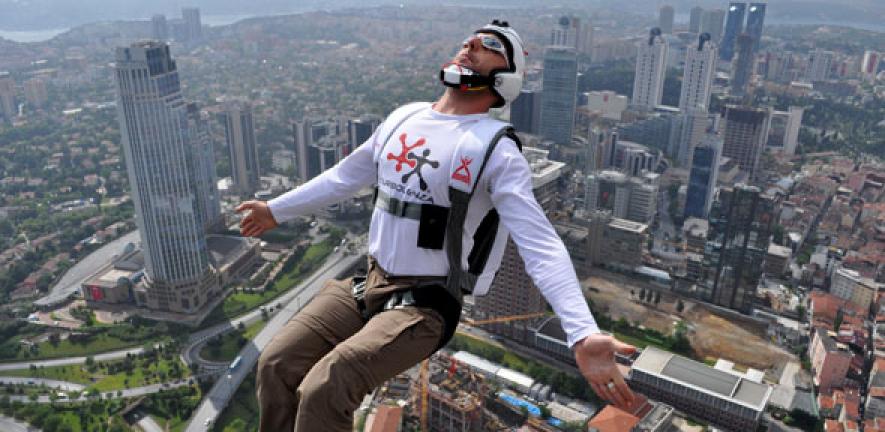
(595, 355)
(258, 220)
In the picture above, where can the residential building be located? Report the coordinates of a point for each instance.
(819, 64)
(8, 106)
(746, 133)
(697, 76)
(869, 66)
(558, 100)
(721, 398)
(172, 176)
(192, 23)
(734, 25)
(694, 21)
(849, 285)
(830, 360)
(737, 241)
(239, 133)
(702, 178)
(777, 260)
(666, 15)
(711, 22)
(651, 65)
(35, 92)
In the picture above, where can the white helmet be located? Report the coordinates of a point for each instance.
(507, 82)
(504, 83)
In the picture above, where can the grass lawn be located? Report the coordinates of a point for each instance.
(230, 347)
(65, 348)
(143, 375)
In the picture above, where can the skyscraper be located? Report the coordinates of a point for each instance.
(665, 19)
(742, 71)
(819, 64)
(734, 25)
(525, 112)
(512, 291)
(755, 21)
(746, 132)
(560, 95)
(737, 241)
(711, 22)
(869, 67)
(702, 177)
(159, 27)
(783, 134)
(697, 76)
(651, 65)
(168, 159)
(566, 32)
(694, 20)
(239, 131)
(35, 92)
(192, 23)
(359, 130)
(694, 127)
(8, 108)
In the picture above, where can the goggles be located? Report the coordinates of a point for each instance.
(489, 42)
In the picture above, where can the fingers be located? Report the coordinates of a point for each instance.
(622, 390)
(623, 348)
(248, 205)
(250, 228)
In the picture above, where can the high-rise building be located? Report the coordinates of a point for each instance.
(665, 19)
(607, 103)
(697, 77)
(615, 243)
(755, 22)
(849, 285)
(651, 67)
(783, 134)
(626, 197)
(746, 133)
(737, 242)
(359, 130)
(566, 33)
(525, 111)
(742, 72)
(870, 65)
(559, 95)
(159, 27)
(512, 291)
(734, 26)
(192, 23)
(35, 92)
(819, 64)
(694, 126)
(702, 178)
(312, 149)
(239, 131)
(643, 198)
(171, 172)
(8, 108)
(711, 22)
(694, 20)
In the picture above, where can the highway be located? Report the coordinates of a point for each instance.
(220, 394)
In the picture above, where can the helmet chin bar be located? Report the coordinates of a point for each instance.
(463, 78)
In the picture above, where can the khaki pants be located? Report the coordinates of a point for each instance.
(317, 370)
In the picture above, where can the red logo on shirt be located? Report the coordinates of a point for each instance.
(403, 156)
(463, 171)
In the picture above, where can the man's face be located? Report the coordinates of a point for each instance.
(474, 54)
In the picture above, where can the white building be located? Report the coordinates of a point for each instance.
(609, 104)
(697, 78)
(850, 285)
(651, 65)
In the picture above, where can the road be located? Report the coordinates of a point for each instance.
(110, 394)
(60, 385)
(147, 424)
(12, 425)
(111, 355)
(219, 396)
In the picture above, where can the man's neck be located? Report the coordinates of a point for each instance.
(457, 102)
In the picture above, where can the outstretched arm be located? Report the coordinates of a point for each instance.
(548, 263)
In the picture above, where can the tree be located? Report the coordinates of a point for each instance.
(680, 306)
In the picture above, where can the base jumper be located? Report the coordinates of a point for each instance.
(452, 184)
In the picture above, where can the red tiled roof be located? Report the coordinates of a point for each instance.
(833, 426)
(387, 419)
(612, 419)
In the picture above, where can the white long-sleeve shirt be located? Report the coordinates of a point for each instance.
(505, 184)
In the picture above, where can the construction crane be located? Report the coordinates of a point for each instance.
(425, 365)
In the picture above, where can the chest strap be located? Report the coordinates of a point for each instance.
(405, 209)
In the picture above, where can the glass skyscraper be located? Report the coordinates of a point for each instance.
(755, 21)
(172, 175)
(702, 178)
(734, 25)
(559, 95)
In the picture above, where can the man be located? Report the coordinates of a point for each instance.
(349, 340)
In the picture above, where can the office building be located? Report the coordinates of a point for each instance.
(651, 65)
(740, 223)
(560, 95)
(696, 14)
(308, 134)
(694, 126)
(632, 198)
(746, 133)
(711, 22)
(698, 73)
(665, 19)
(239, 132)
(723, 398)
(614, 243)
(159, 27)
(702, 178)
(35, 92)
(525, 112)
(819, 64)
(734, 26)
(192, 23)
(849, 285)
(643, 198)
(783, 135)
(569, 32)
(608, 104)
(359, 130)
(755, 22)
(870, 65)
(171, 173)
(8, 106)
(512, 291)
(742, 72)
